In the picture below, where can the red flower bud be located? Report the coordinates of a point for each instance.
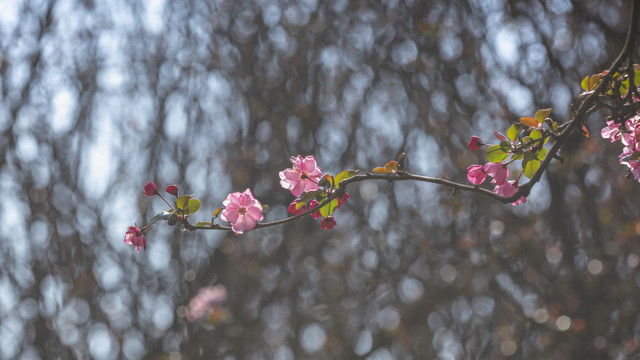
(150, 189)
(475, 143)
(173, 190)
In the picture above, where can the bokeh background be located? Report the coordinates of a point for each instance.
(99, 97)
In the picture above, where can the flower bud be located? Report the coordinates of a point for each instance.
(173, 190)
(150, 189)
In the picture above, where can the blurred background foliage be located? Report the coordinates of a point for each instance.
(98, 97)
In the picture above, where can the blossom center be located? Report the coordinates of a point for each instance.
(242, 210)
(304, 175)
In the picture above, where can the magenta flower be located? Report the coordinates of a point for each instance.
(242, 211)
(316, 214)
(303, 177)
(496, 170)
(475, 143)
(150, 189)
(343, 199)
(203, 302)
(476, 174)
(173, 190)
(135, 237)
(292, 208)
(328, 223)
(507, 189)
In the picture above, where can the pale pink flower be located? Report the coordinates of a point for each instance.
(203, 302)
(328, 223)
(476, 174)
(475, 143)
(135, 237)
(303, 177)
(507, 189)
(496, 170)
(611, 131)
(242, 211)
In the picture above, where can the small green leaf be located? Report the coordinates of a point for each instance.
(203, 223)
(181, 202)
(308, 196)
(541, 154)
(594, 81)
(193, 205)
(344, 175)
(555, 126)
(536, 134)
(391, 165)
(216, 212)
(585, 83)
(530, 165)
(172, 221)
(542, 114)
(329, 208)
(265, 207)
(381, 170)
(496, 154)
(326, 181)
(513, 131)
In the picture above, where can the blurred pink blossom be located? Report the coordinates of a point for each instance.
(135, 237)
(203, 302)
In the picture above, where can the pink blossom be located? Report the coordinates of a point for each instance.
(328, 223)
(242, 210)
(498, 171)
(303, 177)
(292, 208)
(150, 189)
(135, 237)
(507, 189)
(342, 199)
(475, 143)
(173, 190)
(611, 131)
(476, 174)
(206, 298)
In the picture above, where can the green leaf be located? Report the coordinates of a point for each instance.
(326, 181)
(265, 207)
(216, 212)
(381, 170)
(172, 221)
(585, 83)
(636, 77)
(203, 223)
(329, 208)
(530, 165)
(495, 153)
(535, 134)
(555, 126)
(344, 175)
(542, 114)
(193, 206)
(541, 154)
(308, 196)
(513, 131)
(594, 81)
(181, 202)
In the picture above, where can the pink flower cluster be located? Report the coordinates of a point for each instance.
(477, 174)
(304, 177)
(629, 136)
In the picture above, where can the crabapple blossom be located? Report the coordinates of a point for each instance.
(150, 189)
(173, 190)
(135, 237)
(343, 199)
(476, 174)
(507, 189)
(303, 177)
(242, 210)
(328, 223)
(497, 171)
(475, 143)
(203, 302)
(611, 131)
